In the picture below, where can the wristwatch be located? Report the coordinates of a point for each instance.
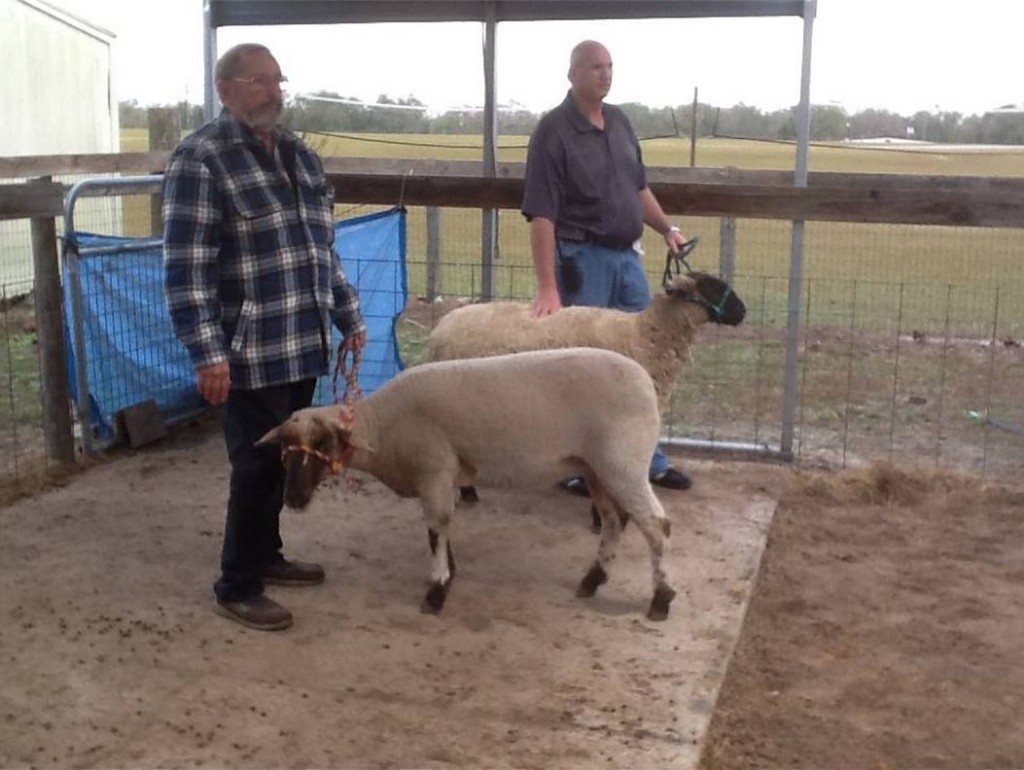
(673, 229)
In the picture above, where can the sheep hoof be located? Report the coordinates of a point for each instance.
(663, 597)
(468, 495)
(433, 602)
(594, 578)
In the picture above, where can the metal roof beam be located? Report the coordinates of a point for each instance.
(226, 13)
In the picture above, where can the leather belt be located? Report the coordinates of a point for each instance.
(582, 236)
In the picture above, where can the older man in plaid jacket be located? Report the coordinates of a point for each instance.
(253, 285)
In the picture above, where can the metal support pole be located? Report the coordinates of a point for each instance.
(489, 225)
(210, 101)
(693, 130)
(791, 387)
(727, 248)
(58, 427)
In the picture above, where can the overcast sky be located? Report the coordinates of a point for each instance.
(901, 55)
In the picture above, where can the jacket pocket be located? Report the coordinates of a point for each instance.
(245, 317)
(257, 201)
(259, 229)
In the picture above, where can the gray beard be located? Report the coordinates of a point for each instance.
(266, 119)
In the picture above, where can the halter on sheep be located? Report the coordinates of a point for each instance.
(674, 264)
(353, 391)
(334, 465)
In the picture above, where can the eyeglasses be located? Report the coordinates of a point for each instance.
(263, 81)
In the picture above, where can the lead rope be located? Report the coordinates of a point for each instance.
(353, 390)
(674, 263)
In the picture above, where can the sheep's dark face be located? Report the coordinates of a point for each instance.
(303, 474)
(311, 450)
(722, 303)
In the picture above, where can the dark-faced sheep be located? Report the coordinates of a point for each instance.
(514, 420)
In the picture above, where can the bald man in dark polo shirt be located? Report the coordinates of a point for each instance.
(587, 201)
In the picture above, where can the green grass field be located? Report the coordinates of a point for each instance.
(970, 280)
(711, 153)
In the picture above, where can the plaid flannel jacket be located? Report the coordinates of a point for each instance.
(252, 277)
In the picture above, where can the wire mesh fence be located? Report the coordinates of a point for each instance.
(909, 339)
(909, 336)
(21, 413)
(23, 458)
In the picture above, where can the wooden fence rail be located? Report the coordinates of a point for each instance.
(887, 198)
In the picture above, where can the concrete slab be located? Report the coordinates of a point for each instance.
(110, 655)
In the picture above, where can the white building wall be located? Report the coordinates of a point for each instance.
(56, 98)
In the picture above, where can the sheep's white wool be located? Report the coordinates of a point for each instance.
(526, 419)
(516, 420)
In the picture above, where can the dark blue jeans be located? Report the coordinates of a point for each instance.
(593, 275)
(252, 535)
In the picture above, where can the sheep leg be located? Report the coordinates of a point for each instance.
(656, 529)
(440, 580)
(438, 508)
(611, 527)
(432, 537)
(595, 519)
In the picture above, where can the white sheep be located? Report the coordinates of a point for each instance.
(657, 338)
(514, 420)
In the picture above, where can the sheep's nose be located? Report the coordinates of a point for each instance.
(296, 501)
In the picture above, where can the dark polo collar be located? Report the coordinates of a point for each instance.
(580, 122)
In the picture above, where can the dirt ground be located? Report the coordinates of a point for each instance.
(111, 655)
(883, 632)
(885, 629)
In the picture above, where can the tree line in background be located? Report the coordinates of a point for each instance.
(828, 123)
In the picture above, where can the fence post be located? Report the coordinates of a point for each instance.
(489, 222)
(164, 134)
(693, 130)
(433, 253)
(727, 248)
(58, 430)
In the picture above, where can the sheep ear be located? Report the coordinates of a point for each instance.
(273, 437)
(360, 444)
(343, 436)
(681, 287)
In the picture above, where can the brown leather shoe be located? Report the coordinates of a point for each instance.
(259, 612)
(293, 573)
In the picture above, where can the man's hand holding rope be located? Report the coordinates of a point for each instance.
(353, 343)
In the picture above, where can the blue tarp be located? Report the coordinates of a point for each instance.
(131, 352)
